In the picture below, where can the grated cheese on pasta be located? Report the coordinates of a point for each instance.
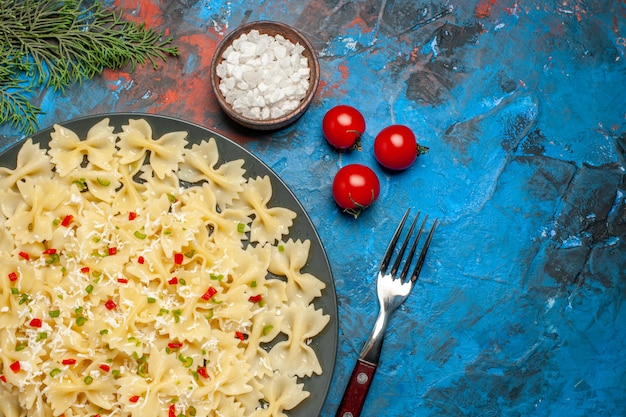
(126, 297)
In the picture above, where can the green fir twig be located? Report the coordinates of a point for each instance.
(53, 43)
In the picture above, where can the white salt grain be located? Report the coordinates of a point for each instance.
(263, 76)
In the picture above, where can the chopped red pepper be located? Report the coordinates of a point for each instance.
(255, 298)
(122, 280)
(36, 323)
(3, 378)
(24, 255)
(69, 361)
(50, 251)
(84, 269)
(173, 281)
(141, 260)
(15, 367)
(203, 372)
(67, 220)
(209, 294)
(241, 336)
(110, 304)
(172, 411)
(13, 276)
(175, 345)
(112, 251)
(134, 398)
(105, 367)
(132, 215)
(178, 258)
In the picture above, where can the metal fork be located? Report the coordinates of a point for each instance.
(392, 290)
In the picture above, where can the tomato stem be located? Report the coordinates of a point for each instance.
(354, 212)
(421, 149)
(358, 208)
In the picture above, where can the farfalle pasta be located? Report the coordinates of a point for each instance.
(139, 279)
(269, 224)
(165, 153)
(67, 150)
(200, 165)
(32, 162)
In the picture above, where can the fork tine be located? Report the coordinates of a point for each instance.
(422, 256)
(405, 243)
(392, 243)
(413, 249)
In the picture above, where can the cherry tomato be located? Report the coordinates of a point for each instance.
(395, 147)
(355, 187)
(343, 126)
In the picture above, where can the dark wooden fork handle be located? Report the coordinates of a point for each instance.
(356, 391)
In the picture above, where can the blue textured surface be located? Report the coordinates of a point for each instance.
(519, 309)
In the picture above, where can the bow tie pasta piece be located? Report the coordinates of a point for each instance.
(71, 362)
(178, 229)
(225, 374)
(287, 260)
(63, 393)
(266, 327)
(270, 223)
(32, 162)
(232, 375)
(143, 395)
(250, 269)
(68, 150)
(165, 153)
(294, 356)
(155, 188)
(126, 323)
(43, 200)
(148, 215)
(281, 392)
(93, 229)
(234, 315)
(96, 184)
(200, 165)
(223, 226)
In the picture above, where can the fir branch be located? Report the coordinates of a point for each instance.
(53, 43)
(16, 109)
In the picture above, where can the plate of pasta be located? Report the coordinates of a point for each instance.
(152, 267)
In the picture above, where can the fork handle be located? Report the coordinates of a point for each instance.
(356, 391)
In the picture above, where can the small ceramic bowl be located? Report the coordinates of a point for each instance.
(272, 29)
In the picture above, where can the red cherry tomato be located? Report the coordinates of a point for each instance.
(355, 187)
(395, 147)
(343, 126)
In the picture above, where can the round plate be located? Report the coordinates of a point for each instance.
(325, 344)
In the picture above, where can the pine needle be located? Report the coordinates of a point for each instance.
(54, 43)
